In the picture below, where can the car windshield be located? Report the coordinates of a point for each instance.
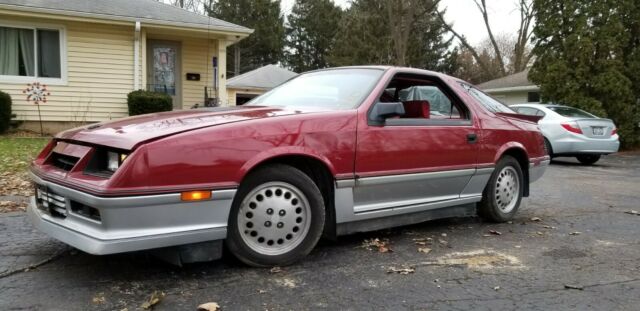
(487, 101)
(336, 89)
(570, 112)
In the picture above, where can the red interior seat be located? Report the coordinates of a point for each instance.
(416, 109)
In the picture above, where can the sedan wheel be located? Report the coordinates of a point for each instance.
(277, 217)
(502, 195)
(588, 159)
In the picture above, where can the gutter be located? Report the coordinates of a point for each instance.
(195, 26)
(136, 57)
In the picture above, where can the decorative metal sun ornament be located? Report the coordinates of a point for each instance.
(37, 93)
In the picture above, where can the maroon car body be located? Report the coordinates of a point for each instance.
(216, 149)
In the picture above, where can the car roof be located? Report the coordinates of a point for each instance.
(385, 68)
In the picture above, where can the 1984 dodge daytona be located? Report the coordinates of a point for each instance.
(328, 153)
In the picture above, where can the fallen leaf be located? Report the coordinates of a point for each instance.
(575, 233)
(633, 212)
(382, 246)
(536, 219)
(494, 232)
(275, 269)
(209, 306)
(539, 233)
(570, 286)
(443, 242)
(403, 270)
(497, 288)
(153, 300)
(424, 250)
(548, 227)
(444, 235)
(421, 243)
(261, 291)
(99, 298)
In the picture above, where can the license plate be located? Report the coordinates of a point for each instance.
(598, 131)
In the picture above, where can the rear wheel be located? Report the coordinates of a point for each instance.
(588, 159)
(277, 217)
(502, 195)
(547, 145)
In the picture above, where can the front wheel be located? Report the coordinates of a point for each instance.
(277, 217)
(502, 195)
(588, 159)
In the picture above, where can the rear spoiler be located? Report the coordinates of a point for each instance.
(524, 117)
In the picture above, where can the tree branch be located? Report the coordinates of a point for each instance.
(482, 6)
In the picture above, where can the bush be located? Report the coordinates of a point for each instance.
(142, 102)
(5, 112)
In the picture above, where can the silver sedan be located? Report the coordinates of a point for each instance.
(571, 132)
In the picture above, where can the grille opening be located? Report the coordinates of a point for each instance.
(86, 211)
(62, 161)
(51, 202)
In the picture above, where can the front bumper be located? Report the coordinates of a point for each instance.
(132, 223)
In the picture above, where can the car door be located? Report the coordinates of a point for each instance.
(419, 158)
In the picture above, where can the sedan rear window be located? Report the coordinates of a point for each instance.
(570, 112)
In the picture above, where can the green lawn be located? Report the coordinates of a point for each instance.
(17, 152)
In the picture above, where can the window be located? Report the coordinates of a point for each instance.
(533, 97)
(485, 100)
(570, 112)
(423, 98)
(526, 110)
(334, 89)
(30, 53)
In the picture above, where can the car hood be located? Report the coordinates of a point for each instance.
(128, 133)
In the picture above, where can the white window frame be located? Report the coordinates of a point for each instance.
(62, 31)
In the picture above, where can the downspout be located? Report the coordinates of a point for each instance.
(136, 58)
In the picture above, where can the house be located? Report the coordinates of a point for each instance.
(80, 58)
(244, 87)
(513, 89)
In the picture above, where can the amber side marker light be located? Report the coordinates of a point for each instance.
(195, 195)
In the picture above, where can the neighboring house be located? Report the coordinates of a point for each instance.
(513, 89)
(242, 88)
(91, 53)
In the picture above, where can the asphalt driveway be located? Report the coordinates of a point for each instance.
(574, 245)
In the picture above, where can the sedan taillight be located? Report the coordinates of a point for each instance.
(614, 131)
(572, 127)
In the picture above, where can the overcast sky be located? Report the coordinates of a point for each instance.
(466, 18)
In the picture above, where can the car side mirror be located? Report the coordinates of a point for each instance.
(382, 111)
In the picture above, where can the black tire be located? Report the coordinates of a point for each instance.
(588, 159)
(278, 173)
(488, 208)
(549, 148)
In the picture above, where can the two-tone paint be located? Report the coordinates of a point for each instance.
(376, 171)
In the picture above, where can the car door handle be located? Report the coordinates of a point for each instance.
(472, 138)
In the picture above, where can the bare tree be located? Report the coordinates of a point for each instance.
(402, 16)
(518, 53)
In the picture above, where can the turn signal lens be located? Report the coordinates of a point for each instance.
(195, 195)
(572, 127)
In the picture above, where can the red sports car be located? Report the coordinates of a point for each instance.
(328, 153)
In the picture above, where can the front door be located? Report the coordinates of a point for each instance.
(426, 156)
(163, 69)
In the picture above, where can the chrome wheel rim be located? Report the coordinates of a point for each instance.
(507, 189)
(274, 218)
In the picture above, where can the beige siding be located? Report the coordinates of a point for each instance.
(196, 59)
(99, 70)
(511, 98)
